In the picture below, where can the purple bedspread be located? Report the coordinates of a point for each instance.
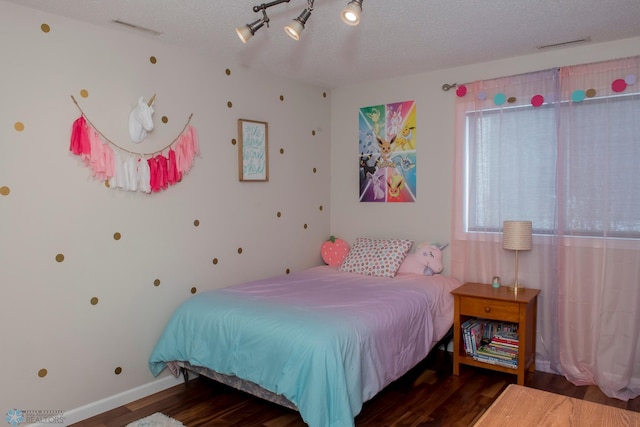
(325, 339)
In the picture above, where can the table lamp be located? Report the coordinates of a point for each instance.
(516, 236)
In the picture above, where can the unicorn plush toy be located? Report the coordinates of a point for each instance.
(140, 120)
(426, 260)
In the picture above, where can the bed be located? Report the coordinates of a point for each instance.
(321, 341)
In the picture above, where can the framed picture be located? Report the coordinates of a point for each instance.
(253, 152)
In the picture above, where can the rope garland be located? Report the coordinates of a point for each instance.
(124, 149)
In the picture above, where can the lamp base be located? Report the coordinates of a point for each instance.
(515, 288)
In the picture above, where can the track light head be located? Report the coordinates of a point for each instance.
(351, 14)
(247, 31)
(296, 26)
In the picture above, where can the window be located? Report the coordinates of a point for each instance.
(513, 169)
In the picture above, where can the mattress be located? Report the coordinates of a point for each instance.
(325, 340)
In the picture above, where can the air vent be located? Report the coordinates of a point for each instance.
(137, 27)
(563, 44)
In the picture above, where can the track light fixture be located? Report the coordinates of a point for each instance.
(247, 31)
(296, 26)
(350, 15)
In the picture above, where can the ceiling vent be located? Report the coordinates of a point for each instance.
(563, 44)
(137, 27)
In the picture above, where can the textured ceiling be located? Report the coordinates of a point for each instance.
(395, 37)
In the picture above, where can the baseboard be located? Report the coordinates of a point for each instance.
(120, 399)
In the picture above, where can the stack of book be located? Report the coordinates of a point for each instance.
(491, 342)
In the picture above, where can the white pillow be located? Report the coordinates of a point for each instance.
(376, 257)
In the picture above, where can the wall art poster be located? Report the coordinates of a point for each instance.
(253, 150)
(387, 150)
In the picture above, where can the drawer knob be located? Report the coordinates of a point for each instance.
(487, 309)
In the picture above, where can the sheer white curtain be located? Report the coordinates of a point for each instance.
(599, 276)
(505, 155)
(557, 147)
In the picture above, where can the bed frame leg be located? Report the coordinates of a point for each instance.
(185, 375)
(448, 337)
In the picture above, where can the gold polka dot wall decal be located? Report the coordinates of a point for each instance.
(239, 250)
(215, 261)
(306, 226)
(590, 93)
(281, 97)
(227, 72)
(42, 373)
(84, 93)
(165, 119)
(324, 94)
(118, 370)
(279, 214)
(320, 207)
(45, 28)
(156, 282)
(287, 271)
(59, 257)
(153, 60)
(94, 301)
(233, 141)
(19, 126)
(4, 190)
(194, 290)
(106, 184)
(229, 104)
(313, 132)
(511, 99)
(117, 236)
(282, 151)
(196, 223)
(315, 170)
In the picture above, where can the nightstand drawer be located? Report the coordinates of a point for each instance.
(489, 309)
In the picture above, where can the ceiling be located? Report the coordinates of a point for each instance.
(395, 37)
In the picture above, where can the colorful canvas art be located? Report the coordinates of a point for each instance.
(387, 151)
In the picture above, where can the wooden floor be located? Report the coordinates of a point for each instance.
(428, 395)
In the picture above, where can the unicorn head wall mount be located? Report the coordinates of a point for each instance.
(140, 120)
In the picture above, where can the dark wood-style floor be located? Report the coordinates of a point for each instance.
(428, 395)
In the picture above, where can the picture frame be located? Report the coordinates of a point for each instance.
(253, 150)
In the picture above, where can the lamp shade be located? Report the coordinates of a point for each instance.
(244, 33)
(294, 29)
(351, 14)
(516, 235)
(296, 26)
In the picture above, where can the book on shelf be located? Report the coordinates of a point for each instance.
(472, 334)
(501, 351)
(491, 341)
(496, 361)
(487, 350)
(506, 338)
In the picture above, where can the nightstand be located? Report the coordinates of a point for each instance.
(479, 300)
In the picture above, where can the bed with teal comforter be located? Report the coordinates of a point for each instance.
(326, 340)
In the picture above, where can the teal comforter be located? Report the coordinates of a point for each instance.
(326, 340)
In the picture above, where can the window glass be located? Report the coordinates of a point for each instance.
(512, 154)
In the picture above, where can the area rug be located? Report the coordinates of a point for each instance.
(156, 420)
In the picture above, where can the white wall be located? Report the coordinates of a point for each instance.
(429, 218)
(50, 205)
(53, 206)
